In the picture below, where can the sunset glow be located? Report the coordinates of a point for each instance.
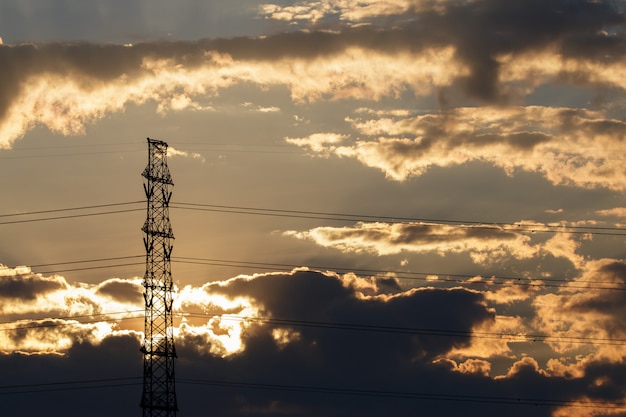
(378, 207)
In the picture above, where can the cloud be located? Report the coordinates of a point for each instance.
(573, 147)
(121, 290)
(486, 244)
(484, 346)
(283, 375)
(318, 142)
(311, 340)
(49, 315)
(488, 35)
(26, 294)
(272, 109)
(53, 336)
(221, 318)
(614, 212)
(20, 284)
(508, 292)
(65, 87)
(486, 50)
(172, 152)
(589, 306)
(311, 13)
(305, 296)
(86, 361)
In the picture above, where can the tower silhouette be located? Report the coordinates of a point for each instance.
(159, 352)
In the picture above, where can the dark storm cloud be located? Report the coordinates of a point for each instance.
(388, 285)
(28, 287)
(482, 30)
(313, 296)
(328, 371)
(117, 357)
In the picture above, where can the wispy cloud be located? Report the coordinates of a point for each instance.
(173, 152)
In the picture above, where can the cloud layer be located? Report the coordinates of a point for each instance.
(437, 47)
(339, 332)
(567, 146)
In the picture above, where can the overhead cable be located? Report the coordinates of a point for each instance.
(345, 217)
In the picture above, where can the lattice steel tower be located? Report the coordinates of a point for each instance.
(159, 393)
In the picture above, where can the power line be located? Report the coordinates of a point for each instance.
(302, 214)
(82, 261)
(87, 268)
(406, 394)
(91, 317)
(401, 275)
(82, 316)
(108, 146)
(372, 328)
(66, 154)
(73, 216)
(71, 209)
(75, 262)
(511, 337)
(21, 147)
(68, 385)
(205, 147)
(88, 261)
(377, 393)
(412, 275)
(334, 216)
(441, 277)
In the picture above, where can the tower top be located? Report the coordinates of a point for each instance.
(157, 142)
(157, 169)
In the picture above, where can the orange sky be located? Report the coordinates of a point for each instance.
(410, 200)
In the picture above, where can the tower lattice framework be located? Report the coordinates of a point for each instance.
(159, 352)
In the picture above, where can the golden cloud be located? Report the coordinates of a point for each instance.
(348, 10)
(487, 342)
(523, 365)
(586, 314)
(66, 102)
(351, 11)
(66, 87)
(567, 146)
(54, 336)
(485, 244)
(48, 314)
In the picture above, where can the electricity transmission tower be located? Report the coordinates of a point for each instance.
(159, 394)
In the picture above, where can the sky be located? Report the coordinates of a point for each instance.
(380, 207)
